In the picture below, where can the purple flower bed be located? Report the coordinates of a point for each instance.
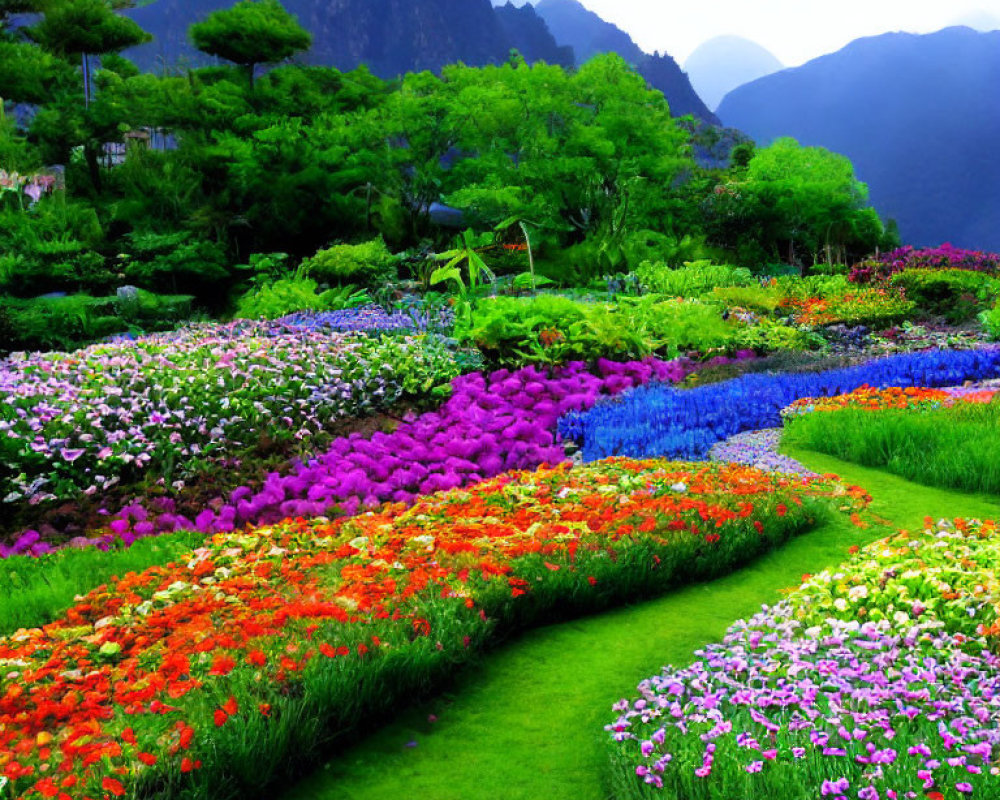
(373, 319)
(876, 681)
(492, 423)
(946, 256)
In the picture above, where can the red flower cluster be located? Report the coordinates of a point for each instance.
(143, 678)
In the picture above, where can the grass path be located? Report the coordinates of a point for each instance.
(527, 723)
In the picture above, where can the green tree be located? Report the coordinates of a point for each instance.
(252, 32)
(85, 28)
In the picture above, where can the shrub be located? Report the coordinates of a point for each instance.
(551, 329)
(694, 279)
(369, 265)
(944, 257)
(956, 294)
(175, 263)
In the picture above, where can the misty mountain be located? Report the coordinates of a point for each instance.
(919, 115)
(721, 64)
(390, 36)
(588, 34)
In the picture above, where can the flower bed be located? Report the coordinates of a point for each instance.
(661, 421)
(81, 422)
(877, 680)
(942, 438)
(946, 256)
(214, 675)
(491, 423)
(373, 319)
(75, 425)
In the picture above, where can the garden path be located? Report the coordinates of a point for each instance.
(526, 723)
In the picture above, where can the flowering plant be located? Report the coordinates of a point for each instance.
(878, 680)
(209, 672)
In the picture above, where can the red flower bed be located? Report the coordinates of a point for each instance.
(212, 675)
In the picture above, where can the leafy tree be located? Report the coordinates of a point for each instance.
(252, 32)
(84, 28)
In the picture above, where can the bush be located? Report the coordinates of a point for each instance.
(174, 263)
(958, 295)
(551, 329)
(694, 279)
(369, 265)
(290, 295)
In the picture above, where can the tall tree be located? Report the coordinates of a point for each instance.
(252, 32)
(85, 28)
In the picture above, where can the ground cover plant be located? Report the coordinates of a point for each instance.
(929, 436)
(875, 679)
(659, 420)
(172, 405)
(211, 676)
(491, 422)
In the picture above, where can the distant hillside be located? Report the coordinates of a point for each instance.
(390, 36)
(721, 64)
(573, 24)
(918, 115)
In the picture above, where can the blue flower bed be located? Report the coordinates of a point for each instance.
(658, 420)
(373, 319)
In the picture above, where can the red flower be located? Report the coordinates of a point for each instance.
(187, 765)
(114, 786)
(147, 758)
(222, 665)
(256, 658)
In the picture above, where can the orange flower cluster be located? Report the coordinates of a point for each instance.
(871, 399)
(142, 680)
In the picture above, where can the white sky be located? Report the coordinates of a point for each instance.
(794, 30)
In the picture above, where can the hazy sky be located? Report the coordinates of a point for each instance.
(794, 30)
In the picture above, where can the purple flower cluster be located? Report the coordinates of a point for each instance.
(372, 319)
(758, 449)
(947, 256)
(798, 702)
(492, 423)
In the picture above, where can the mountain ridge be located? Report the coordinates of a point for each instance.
(918, 115)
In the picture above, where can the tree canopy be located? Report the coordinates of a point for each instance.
(251, 32)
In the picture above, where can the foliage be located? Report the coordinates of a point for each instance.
(358, 601)
(62, 323)
(991, 322)
(942, 441)
(956, 294)
(694, 279)
(251, 32)
(792, 203)
(369, 265)
(553, 329)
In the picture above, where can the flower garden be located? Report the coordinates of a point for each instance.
(231, 550)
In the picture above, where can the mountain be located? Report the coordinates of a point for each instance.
(725, 62)
(390, 36)
(573, 24)
(918, 115)
(528, 33)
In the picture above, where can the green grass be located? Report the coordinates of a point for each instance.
(956, 447)
(34, 591)
(527, 722)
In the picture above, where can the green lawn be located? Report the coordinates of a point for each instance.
(527, 722)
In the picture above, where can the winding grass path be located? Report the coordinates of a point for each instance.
(527, 722)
